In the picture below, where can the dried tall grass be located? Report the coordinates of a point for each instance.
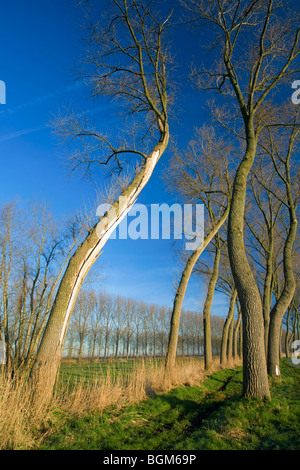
(18, 416)
(23, 419)
(145, 380)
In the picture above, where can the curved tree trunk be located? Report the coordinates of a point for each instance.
(80, 347)
(44, 370)
(207, 307)
(236, 351)
(280, 342)
(225, 336)
(268, 286)
(287, 334)
(288, 291)
(180, 293)
(230, 339)
(282, 304)
(255, 378)
(241, 340)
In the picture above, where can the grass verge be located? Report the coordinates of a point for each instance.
(212, 416)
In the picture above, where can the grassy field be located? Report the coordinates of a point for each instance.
(73, 372)
(211, 415)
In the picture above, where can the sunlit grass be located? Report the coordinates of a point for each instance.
(211, 415)
(135, 406)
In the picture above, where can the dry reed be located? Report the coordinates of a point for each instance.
(18, 417)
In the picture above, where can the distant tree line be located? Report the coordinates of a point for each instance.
(242, 164)
(106, 326)
(34, 249)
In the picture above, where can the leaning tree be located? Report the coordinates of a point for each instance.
(126, 59)
(201, 175)
(282, 145)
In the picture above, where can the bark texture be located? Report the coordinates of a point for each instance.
(268, 285)
(283, 302)
(45, 368)
(255, 380)
(236, 339)
(207, 307)
(226, 346)
(181, 290)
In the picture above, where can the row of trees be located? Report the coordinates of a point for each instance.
(257, 51)
(106, 326)
(240, 166)
(33, 247)
(204, 174)
(34, 250)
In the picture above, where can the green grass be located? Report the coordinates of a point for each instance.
(74, 372)
(211, 416)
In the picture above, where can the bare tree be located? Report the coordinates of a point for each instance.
(202, 174)
(6, 245)
(34, 250)
(225, 284)
(208, 304)
(263, 221)
(108, 309)
(138, 319)
(127, 60)
(119, 320)
(129, 315)
(257, 45)
(226, 345)
(291, 321)
(96, 320)
(82, 316)
(282, 152)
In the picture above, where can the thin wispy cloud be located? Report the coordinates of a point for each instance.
(14, 135)
(52, 94)
(21, 132)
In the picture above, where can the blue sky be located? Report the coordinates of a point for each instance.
(40, 43)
